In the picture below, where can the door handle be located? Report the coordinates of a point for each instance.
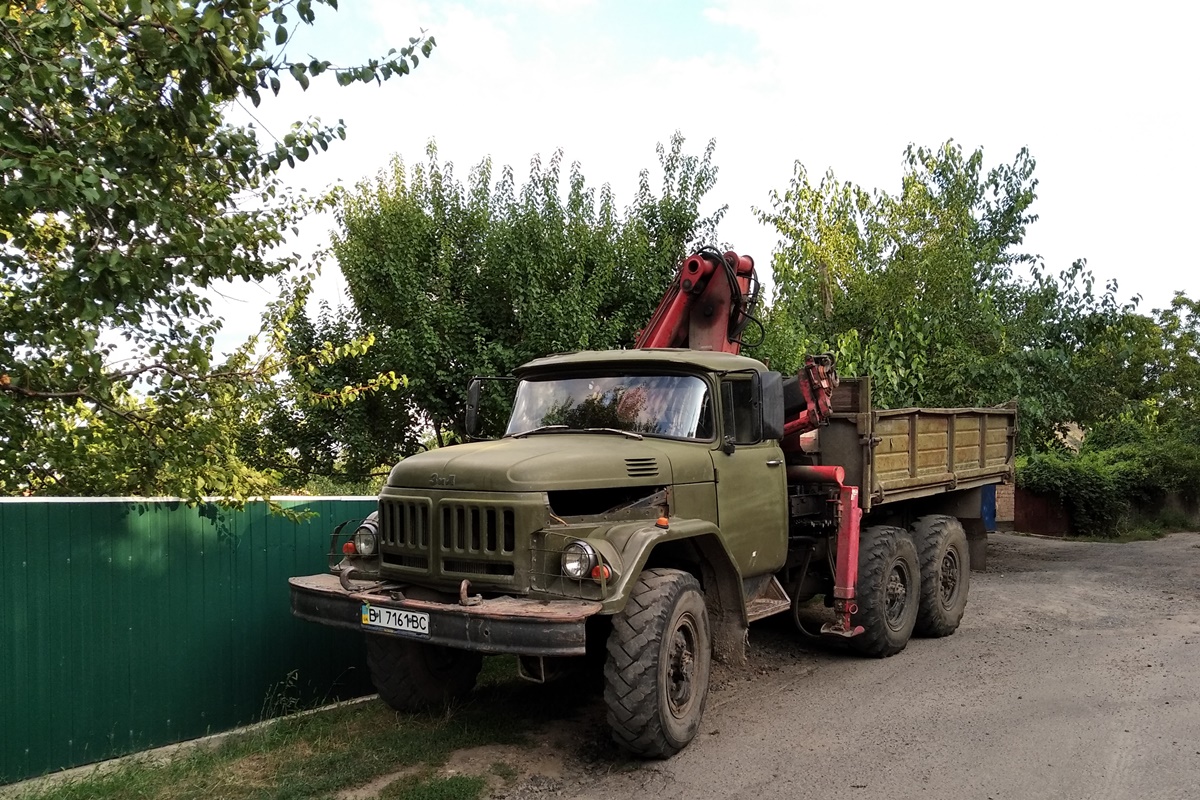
(774, 462)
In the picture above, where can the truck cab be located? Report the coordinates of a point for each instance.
(599, 447)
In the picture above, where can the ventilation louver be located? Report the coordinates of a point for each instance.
(641, 467)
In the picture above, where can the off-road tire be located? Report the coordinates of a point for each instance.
(889, 584)
(945, 574)
(659, 659)
(415, 676)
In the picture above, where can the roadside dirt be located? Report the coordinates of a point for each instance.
(1075, 674)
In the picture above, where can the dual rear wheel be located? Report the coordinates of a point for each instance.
(910, 582)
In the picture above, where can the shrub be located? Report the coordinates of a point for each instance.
(1124, 470)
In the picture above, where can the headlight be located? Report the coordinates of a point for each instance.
(364, 541)
(578, 558)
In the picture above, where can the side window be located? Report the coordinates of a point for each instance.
(741, 421)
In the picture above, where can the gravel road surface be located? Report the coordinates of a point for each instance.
(1075, 674)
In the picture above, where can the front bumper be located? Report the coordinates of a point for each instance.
(499, 625)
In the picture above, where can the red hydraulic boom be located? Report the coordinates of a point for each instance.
(707, 307)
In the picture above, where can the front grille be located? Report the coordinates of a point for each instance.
(410, 562)
(405, 523)
(641, 467)
(470, 528)
(450, 537)
(466, 566)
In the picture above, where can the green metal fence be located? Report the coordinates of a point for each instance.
(128, 624)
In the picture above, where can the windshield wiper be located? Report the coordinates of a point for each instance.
(630, 434)
(540, 429)
(557, 428)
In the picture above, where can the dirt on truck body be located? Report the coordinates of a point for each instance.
(646, 505)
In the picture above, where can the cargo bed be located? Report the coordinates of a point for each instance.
(905, 453)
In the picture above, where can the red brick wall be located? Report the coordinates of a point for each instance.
(1005, 503)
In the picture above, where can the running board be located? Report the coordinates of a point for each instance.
(773, 600)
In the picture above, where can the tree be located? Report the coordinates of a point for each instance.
(124, 194)
(928, 292)
(457, 278)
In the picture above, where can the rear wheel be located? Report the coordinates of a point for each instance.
(414, 676)
(945, 574)
(659, 657)
(888, 591)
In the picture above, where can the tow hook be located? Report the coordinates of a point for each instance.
(464, 599)
(344, 577)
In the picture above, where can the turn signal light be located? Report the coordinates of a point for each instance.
(663, 522)
(601, 572)
(349, 549)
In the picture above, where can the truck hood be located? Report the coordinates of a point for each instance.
(550, 461)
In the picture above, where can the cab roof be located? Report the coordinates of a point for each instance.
(708, 360)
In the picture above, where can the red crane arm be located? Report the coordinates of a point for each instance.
(707, 305)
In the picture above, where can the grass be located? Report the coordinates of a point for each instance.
(506, 772)
(1146, 528)
(455, 787)
(318, 755)
(1138, 534)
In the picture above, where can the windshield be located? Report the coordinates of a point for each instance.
(656, 405)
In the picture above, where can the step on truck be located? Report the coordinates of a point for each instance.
(647, 505)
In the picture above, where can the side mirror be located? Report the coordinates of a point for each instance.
(771, 404)
(473, 407)
(756, 406)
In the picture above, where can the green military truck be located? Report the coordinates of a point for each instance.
(648, 504)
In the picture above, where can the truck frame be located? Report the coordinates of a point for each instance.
(648, 504)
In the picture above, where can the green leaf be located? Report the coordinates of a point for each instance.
(128, 193)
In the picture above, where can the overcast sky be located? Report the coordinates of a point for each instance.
(1104, 95)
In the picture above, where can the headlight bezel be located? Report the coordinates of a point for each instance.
(366, 541)
(588, 557)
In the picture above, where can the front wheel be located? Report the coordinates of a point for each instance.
(415, 676)
(659, 658)
(888, 592)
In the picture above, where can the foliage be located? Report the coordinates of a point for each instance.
(1124, 473)
(455, 278)
(1144, 446)
(925, 290)
(1094, 487)
(124, 194)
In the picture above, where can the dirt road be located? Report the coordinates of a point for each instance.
(1075, 674)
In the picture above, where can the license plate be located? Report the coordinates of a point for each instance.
(393, 619)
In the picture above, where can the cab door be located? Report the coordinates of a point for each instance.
(751, 483)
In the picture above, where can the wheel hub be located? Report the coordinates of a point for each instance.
(681, 664)
(948, 576)
(897, 594)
